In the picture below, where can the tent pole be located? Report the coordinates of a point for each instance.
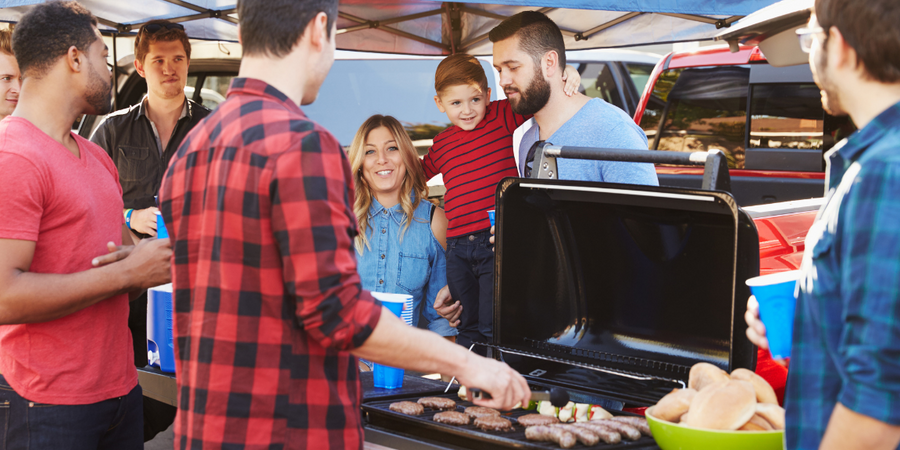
(115, 74)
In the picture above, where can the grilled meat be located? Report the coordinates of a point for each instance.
(549, 433)
(439, 403)
(605, 433)
(408, 408)
(452, 418)
(481, 411)
(585, 436)
(530, 420)
(626, 430)
(493, 423)
(638, 422)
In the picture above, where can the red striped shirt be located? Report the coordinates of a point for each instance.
(472, 163)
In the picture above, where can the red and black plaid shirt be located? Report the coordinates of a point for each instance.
(258, 201)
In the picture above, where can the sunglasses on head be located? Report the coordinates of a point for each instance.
(154, 27)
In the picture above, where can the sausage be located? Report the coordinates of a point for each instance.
(638, 422)
(624, 429)
(585, 436)
(548, 433)
(605, 433)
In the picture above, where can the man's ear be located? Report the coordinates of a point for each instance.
(840, 53)
(75, 59)
(139, 67)
(550, 64)
(318, 29)
(440, 106)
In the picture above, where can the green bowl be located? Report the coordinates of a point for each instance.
(673, 436)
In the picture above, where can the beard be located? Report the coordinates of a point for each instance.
(535, 97)
(831, 101)
(98, 94)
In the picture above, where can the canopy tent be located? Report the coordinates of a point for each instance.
(430, 27)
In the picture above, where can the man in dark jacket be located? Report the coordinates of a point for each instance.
(140, 140)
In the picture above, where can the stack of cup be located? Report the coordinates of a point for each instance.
(775, 295)
(402, 306)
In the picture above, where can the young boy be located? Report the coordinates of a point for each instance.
(473, 155)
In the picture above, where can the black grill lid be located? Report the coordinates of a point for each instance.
(598, 279)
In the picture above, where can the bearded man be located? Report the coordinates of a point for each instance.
(530, 56)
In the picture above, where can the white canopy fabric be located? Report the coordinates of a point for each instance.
(429, 27)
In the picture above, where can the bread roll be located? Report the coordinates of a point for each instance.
(764, 391)
(756, 423)
(705, 374)
(725, 405)
(773, 414)
(674, 404)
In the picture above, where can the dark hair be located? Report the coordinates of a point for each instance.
(47, 32)
(536, 32)
(6, 42)
(870, 27)
(273, 27)
(459, 69)
(168, 32)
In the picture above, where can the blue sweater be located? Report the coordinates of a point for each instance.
(597, 124)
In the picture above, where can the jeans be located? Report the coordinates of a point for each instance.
(114, 424)
(470, 276)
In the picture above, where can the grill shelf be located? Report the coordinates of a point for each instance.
(379, 414)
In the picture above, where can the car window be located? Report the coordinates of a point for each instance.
(640, 74)
(701, 109)
(357, 89)
(215, 87)
(598, 82)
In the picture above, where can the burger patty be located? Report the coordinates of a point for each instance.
(530, 420)
(452, 418)
(493, 423)
(408, 408)
(439, 403)
(481, 411)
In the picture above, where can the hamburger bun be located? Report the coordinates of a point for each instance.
(756, 423)
(773, 414)
(671, 407)
(764, 391)
(705, 374)
(724, 405)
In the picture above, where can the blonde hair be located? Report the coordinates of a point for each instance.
(414, 182)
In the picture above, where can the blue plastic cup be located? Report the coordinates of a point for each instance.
(491, 216)
(775, 295)
(161, 232)
(387, 377)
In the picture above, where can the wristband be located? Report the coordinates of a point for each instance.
(128, 217)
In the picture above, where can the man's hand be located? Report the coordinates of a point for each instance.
(144, 220)
(506, 386)
(150, 263)
(116, 253)
(756, 331)
(446, 307)
(572, 79)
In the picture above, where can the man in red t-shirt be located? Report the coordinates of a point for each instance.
(68, 379)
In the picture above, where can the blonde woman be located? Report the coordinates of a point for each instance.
(402, 236)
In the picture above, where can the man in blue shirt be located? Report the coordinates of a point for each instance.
(843, 389)
(530, 55)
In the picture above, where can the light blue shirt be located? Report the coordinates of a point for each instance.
(415, 266)
(596, 124)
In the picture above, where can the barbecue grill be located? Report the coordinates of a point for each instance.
(609, 291)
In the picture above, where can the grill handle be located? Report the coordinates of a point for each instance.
(715, 165)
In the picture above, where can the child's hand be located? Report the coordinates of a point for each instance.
(572, 79)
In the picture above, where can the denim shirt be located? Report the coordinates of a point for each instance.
(416, 266)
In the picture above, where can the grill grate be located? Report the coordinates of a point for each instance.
(468, 436)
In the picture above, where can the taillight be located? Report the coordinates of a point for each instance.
(757, 55)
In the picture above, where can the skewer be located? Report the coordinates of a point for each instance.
(454, 377)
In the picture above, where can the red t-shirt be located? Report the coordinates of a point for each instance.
(472, 163)
(70, 207)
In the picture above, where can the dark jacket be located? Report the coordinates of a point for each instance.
(128, 138)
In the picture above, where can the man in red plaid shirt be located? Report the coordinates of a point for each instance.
(269, 310)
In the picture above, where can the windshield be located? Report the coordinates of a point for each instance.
(357, 89)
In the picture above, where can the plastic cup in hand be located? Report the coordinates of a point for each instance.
(775, 295)
(387, 377)
(161, 231)
(491, 216)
